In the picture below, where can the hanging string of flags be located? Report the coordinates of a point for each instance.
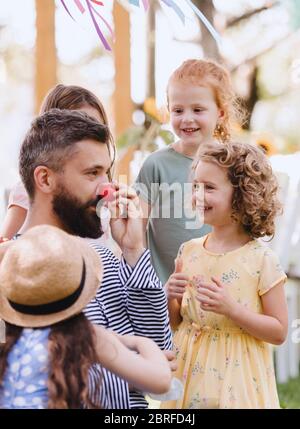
(96, 17)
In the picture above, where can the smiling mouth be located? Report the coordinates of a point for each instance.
(190, 130)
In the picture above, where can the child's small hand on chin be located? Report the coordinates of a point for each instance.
(215, 297)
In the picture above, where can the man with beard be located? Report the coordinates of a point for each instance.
(63, 160)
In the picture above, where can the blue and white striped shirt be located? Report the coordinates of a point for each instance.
(130, 301)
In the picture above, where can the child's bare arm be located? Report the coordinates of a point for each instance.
(272, 325)
(14, 219)
(137, 360)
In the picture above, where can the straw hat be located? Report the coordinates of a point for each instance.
(47, 276)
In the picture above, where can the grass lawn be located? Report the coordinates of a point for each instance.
(289, 394)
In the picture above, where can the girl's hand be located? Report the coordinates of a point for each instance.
(175, 286)
(171, 357)
(215, 297)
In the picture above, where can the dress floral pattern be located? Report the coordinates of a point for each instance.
(220, 365)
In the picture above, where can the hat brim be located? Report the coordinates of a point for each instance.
(94, 273)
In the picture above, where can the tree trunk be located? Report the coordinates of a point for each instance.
(150, 91)
(45, 64)
(123, 107)
(252, 99)
(208, 43)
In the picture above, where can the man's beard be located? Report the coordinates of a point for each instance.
(75, 216)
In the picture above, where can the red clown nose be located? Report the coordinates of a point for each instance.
(106, 191)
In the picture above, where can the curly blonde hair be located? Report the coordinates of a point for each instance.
(255, 202)
(208, 73)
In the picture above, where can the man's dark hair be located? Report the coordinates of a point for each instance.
(51, 141)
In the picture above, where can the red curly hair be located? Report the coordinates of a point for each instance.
(208, 73)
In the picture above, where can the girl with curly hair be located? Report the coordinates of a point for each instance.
(233, 306)
(47, 277)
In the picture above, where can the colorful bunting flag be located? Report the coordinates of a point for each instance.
(170, 3)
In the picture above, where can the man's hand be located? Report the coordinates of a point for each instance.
(127, 223)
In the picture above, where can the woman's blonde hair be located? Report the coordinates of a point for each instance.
(255, 202)
(209, 73)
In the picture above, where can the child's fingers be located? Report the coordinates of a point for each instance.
(177, 285)
(171, 357)
(178, 265)
(175, 296)
(180, 284)
(177, 289)
(180, 281)
(204, 299)
(179, 276)
(207, 292)
(209, 286)
(173, 365)
(217, 282)
(206, 307)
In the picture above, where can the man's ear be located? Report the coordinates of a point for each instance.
(45, 179)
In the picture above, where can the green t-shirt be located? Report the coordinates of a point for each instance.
(164, 182)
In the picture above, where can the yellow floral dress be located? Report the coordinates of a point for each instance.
(220, 365)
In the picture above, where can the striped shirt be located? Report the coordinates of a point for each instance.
(130, 301)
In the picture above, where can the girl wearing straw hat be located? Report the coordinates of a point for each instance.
(47, 277)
